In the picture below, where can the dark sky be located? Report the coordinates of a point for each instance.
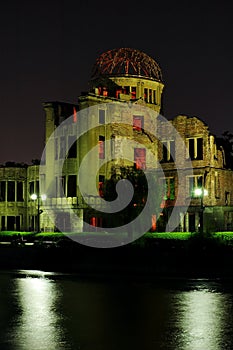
(48, 49)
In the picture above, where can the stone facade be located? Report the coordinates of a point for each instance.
(123, 89)
(17, 210)
(209, 187)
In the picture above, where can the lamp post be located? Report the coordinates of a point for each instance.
(201, 192)
(35, 197)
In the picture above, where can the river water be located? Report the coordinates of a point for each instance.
(51, 311)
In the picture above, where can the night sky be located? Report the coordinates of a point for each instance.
(48, 49)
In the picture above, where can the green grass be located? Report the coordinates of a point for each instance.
(226, 236)
(223, 236)
(13, 233)
(169, 235)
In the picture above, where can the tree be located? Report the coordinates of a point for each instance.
(139, 181)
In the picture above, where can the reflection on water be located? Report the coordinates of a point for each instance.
(199, 319)
(202, 319)
(45, 311)
(38, 319)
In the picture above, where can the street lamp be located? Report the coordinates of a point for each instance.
(35, 197)
(201, 192)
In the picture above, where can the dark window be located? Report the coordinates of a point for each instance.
(133, 92)
(154, 93)
(71, 186)
(140, 158)
(101, 147)
(191, 149)
(199, 148)
(3, 223)
(165, 152)
(72, 153)
(168, 151)
(126, 90)
(138, 122)
(19, 191)
(101, 184)
(17, 222)
(101, 116)
(10, 223)
(2, 191)
(11, 191)
(31, 187)
(172, 151)
(150, 96)
(195, 148)
(191, 217)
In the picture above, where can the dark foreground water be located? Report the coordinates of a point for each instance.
(49, 311)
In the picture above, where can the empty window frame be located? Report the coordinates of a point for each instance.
(154, 97)
(138, 122)
(101, 147)
(168, 185)
(101, 185)
(2, 191)
(60, 186)
(194, 182)
(71, 186)
(19, 191)
(133, 92)
(11, 191)
(145, 94)
(195, 148)
(140, 158)
(72, 153)
(168, 151)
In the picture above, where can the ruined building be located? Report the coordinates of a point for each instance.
(125, 85)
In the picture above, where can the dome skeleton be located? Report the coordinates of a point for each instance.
(126, 61)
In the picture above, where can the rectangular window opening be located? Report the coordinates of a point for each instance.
(71, 186)
(101, 185)
(101, 116)
(140, 158)
(72, 153)
(19, 191)
(2, 191)
(11, 191)
(138, 122)
(101, 147)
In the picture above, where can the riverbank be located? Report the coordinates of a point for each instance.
(198, 257)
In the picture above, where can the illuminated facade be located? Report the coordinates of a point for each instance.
(121, 76)
(209, 187)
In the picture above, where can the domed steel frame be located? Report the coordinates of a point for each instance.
(126, 61)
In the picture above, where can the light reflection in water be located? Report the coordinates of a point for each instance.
(200, 317)
(39, 311)
(36, 324)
